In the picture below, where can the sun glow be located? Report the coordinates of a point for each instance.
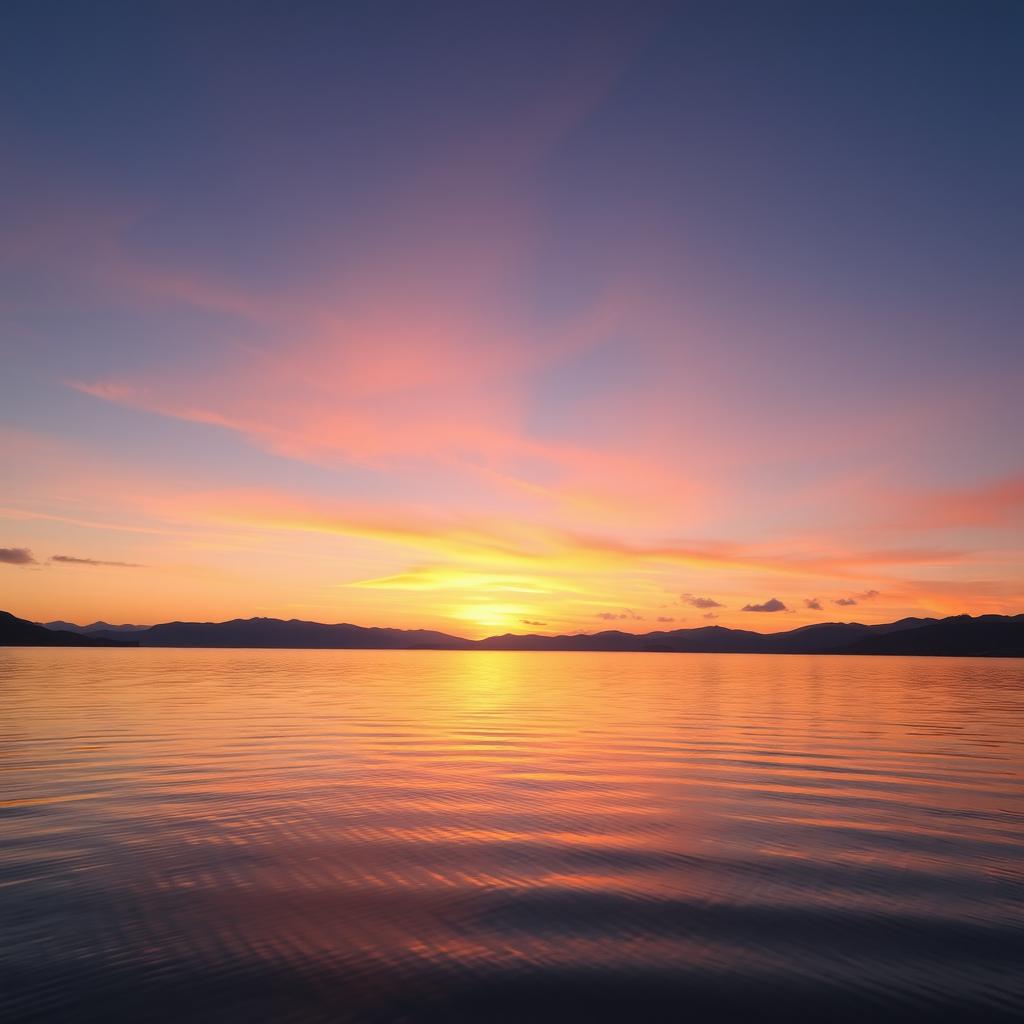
(489, 617)
(442, 578)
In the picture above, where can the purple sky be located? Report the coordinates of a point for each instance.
(474, 316)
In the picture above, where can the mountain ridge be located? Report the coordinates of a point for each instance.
(93, 627)
(15, 632)
(954, 636)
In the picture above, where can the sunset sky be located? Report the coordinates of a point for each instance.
(525, 317)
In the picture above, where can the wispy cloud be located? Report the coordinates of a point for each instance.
(864, 595)
(23, 556)
(628, 614)
(997, 503)
(813, 603)
(538, 548)
(459, 578)
(72, 560)
(700, 602)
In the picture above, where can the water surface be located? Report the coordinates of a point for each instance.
(449, 836)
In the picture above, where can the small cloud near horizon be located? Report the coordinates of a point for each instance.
(615, 616)
(665, 618)
(711, 615)
(17, 556)
(813, 603)
(700, 602)
(72, 560)
(532, 622)
(771, 605)
(845, 602)
(864, 595)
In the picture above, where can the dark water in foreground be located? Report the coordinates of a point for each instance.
(342, 835)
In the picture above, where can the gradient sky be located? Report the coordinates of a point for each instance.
(493, 317)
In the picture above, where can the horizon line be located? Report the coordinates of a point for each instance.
(420, 629)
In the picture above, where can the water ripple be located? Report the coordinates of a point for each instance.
(449, 836)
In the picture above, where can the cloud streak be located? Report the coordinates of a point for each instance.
(628, 614)
(73, 560)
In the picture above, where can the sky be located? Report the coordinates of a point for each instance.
(512, 317)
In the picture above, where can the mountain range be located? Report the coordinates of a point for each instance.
(956, 636)
(15, 632)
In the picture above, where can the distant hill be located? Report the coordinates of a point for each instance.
(995, 636)
(293, 633)
(15, 632)
(817, 639)
(957, 636)
(93, 627)
(708, 639)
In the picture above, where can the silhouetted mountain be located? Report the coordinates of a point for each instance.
(93, 627)
(962, 635)
(708, 639)
(995, 636)
(901, 624)
(292, 633)
(825, 636)
(815, 639)
(15, 632)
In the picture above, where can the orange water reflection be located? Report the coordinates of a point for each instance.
(389, 833)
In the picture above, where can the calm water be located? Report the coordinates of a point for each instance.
(343, 835)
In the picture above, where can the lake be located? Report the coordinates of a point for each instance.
(466, 836)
